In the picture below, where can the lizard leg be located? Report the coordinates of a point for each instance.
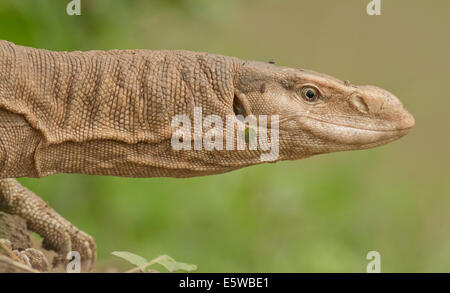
(58, 233)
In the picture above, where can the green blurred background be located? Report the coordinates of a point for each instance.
(322, 214)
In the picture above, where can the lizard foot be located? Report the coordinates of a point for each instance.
(58, 233)
(76, 241)
(34, 258)
(31, 257)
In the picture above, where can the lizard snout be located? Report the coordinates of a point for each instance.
(383, 107)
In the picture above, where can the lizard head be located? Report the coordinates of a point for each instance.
(318, 113)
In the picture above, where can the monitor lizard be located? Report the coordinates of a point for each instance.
(111, 113)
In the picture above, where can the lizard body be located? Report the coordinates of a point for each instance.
(106, 113)
(110, 113)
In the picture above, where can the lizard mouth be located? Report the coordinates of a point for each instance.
(355, 135)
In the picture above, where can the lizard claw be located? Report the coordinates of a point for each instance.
(84, 244)
(58, 233)
(31, 257)
(75, 241)
(34, 258)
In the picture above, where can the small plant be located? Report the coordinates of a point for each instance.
(143, 265)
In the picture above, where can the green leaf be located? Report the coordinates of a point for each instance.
(171, 265)
(135, 259)
(166, 261)
(249, 133)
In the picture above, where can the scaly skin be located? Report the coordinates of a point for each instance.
(110, 113)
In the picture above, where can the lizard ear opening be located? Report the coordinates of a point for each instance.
(240, 105)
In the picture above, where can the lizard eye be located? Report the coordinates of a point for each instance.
(309, 93)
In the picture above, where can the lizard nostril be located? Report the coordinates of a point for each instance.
(359, 104)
